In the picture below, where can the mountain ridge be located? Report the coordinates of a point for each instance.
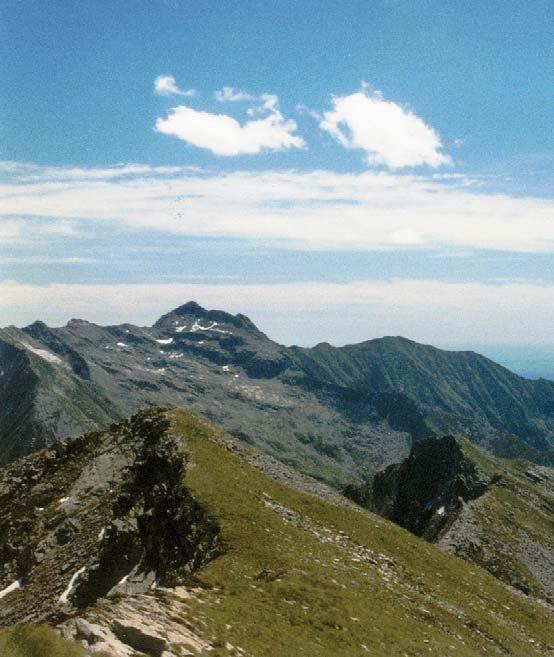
(334, 412)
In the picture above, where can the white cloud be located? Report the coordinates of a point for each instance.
(28, 172)
(223, 135)
(30, 230)
(310, 210)
(438, 312)
(166, 85)
(45, 260)
(390, 134)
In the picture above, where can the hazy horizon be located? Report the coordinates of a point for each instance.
(337, 173)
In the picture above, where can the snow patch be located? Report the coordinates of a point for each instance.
(63, 500)
(212, 327)
(226, 368)
(64, 597)
(12, 587)
(43, 353)
(441, 511)
(102, 533)
(166, 341)
(122, 344)
(124, 579)
(180, 329)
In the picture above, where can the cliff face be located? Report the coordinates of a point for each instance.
(424, 492)
(494, 512)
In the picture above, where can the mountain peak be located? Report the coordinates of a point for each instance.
(190, 308)
(193, 310)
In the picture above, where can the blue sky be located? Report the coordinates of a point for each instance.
(337, 170)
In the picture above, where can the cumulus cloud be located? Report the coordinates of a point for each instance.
(391, 135)
(223, 135)
(166, 85)
(462, 313)
(301, 210)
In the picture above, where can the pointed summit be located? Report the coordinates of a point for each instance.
(194, 311)
(191, 308)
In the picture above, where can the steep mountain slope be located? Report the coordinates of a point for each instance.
(335, 413)
(494, 512)
(237, 563)
(460, 392)
(45, 392)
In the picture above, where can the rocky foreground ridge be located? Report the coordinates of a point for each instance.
(163, 536)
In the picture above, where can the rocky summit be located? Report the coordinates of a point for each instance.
(164, 536)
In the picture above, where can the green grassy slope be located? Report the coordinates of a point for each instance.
(302, 577)
(453, 383)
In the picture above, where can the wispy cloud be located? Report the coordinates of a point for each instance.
(166, 85)
(34, 229)
(25, 172)
(258, 104)
(45, 260)
(389, 134)
(311, 210)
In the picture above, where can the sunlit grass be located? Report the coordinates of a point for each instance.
(38, 641)
(319, 601)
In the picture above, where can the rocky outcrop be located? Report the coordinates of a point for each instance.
(425, 492)
(104, 513)
(151, 625)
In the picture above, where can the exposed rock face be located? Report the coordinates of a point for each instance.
(146, 624)
(424, 492)
(103, 513)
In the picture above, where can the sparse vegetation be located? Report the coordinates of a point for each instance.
(38, 641)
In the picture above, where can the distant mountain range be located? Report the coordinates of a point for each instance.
(337, 413)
